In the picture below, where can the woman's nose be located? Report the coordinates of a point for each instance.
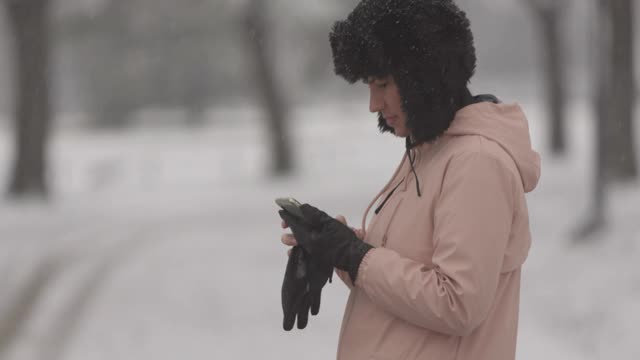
(376, 103)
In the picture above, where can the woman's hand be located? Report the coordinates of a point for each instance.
(327, 240)
(290, 240)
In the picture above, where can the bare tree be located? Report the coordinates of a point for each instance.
(596, 214)
(548, 15)
(29, 22)
(620, 162)
(257, 31)
(613, 103)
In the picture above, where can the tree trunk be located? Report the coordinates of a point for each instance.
(548, 15)
(596, 214)
(29, 22)
(555, 71)
(272, 98)
(621, 156)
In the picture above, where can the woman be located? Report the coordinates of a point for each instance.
(436, 274)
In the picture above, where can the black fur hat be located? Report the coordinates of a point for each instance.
(425, 45)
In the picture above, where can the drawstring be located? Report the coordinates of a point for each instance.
(387, 197)
(386, 187)
(466, 100)
(409, 145)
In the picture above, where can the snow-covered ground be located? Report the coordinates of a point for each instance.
(164, 243)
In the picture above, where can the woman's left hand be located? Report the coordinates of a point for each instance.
(290, 240)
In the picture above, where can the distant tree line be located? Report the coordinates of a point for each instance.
(139, 53)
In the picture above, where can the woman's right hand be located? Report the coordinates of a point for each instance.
(288, 239)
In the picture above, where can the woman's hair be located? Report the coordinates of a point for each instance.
(425, 45)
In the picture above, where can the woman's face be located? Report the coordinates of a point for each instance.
(384, 97)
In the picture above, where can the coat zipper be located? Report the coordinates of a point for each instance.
(349, 310)
(386, 230)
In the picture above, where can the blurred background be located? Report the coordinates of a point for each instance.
(142, 143)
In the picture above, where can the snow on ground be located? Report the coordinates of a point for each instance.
(164, 243)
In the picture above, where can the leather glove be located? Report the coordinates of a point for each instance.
(296, 300)
(318, 273)
(329, 241)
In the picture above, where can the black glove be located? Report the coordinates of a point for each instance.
(318, 273)
(330, 242)
(295, 290)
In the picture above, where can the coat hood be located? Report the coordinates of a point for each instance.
(507, 125)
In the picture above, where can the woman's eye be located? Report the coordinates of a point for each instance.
(382, 85)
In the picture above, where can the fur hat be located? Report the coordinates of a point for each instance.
(425, 45)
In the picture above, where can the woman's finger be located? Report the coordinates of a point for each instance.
(342, 219)
(289, 239)
(284, 224)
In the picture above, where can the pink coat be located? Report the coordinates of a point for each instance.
(443, 282)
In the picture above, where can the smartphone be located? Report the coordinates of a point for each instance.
(290, 205)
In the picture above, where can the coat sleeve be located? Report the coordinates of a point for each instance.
(344, 276)
(472, 223)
